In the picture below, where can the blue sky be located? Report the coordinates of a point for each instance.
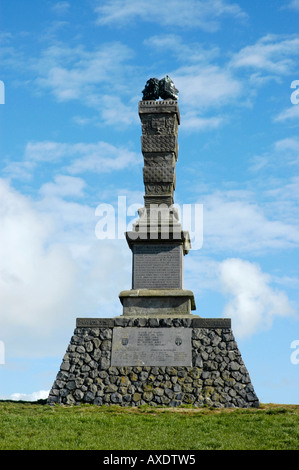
(73, 74)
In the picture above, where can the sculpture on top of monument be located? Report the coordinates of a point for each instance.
(163, 88)
(151, 89)
(167, 89)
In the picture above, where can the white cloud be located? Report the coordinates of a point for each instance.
(284, 152)
(290, 113)
(64, 186)
(287, 193)
(22, 170)
(253, 303)
(101, 78)
(206, 14)
(292, 5)
(34, 396)
(99, 157)
(194, 122)
(46, 151)
(53, 268)
(234, 222)
(204, 86)
(73, 73)
(207, 84)
(184, 52)
(272, 54)
(289, 147)
(92, 77)
(201, 274)
(36, 279)
(114, 112)
(60, 7)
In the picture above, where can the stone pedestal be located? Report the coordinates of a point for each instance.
(156, 361)
(157, 302)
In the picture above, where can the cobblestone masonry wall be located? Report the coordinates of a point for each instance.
(218, 376)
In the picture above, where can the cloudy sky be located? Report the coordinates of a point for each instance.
(72, 74)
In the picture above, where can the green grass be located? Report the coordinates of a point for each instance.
(35, 426)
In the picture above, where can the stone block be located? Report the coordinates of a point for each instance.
(159, 174)
(157, 266)
(159, 144)
(157, 303)
(158, 107)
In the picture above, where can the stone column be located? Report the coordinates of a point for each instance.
(157, 240)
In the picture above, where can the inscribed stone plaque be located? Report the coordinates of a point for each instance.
(157, 266)
(151, 347)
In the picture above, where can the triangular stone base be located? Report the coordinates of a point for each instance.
(215, 376)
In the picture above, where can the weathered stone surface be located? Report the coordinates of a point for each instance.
(153, 107)
(159, 144)
(159, 174)
(217, 377)
(151, 347)
(157, 266)
(156, 302)
(161, 124)
(94, 322)
(157, 240)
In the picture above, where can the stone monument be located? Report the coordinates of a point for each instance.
(156, 352)
(157, 241)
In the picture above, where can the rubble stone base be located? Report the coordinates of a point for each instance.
(218, 376)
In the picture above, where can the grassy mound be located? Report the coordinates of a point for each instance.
(38, 426)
